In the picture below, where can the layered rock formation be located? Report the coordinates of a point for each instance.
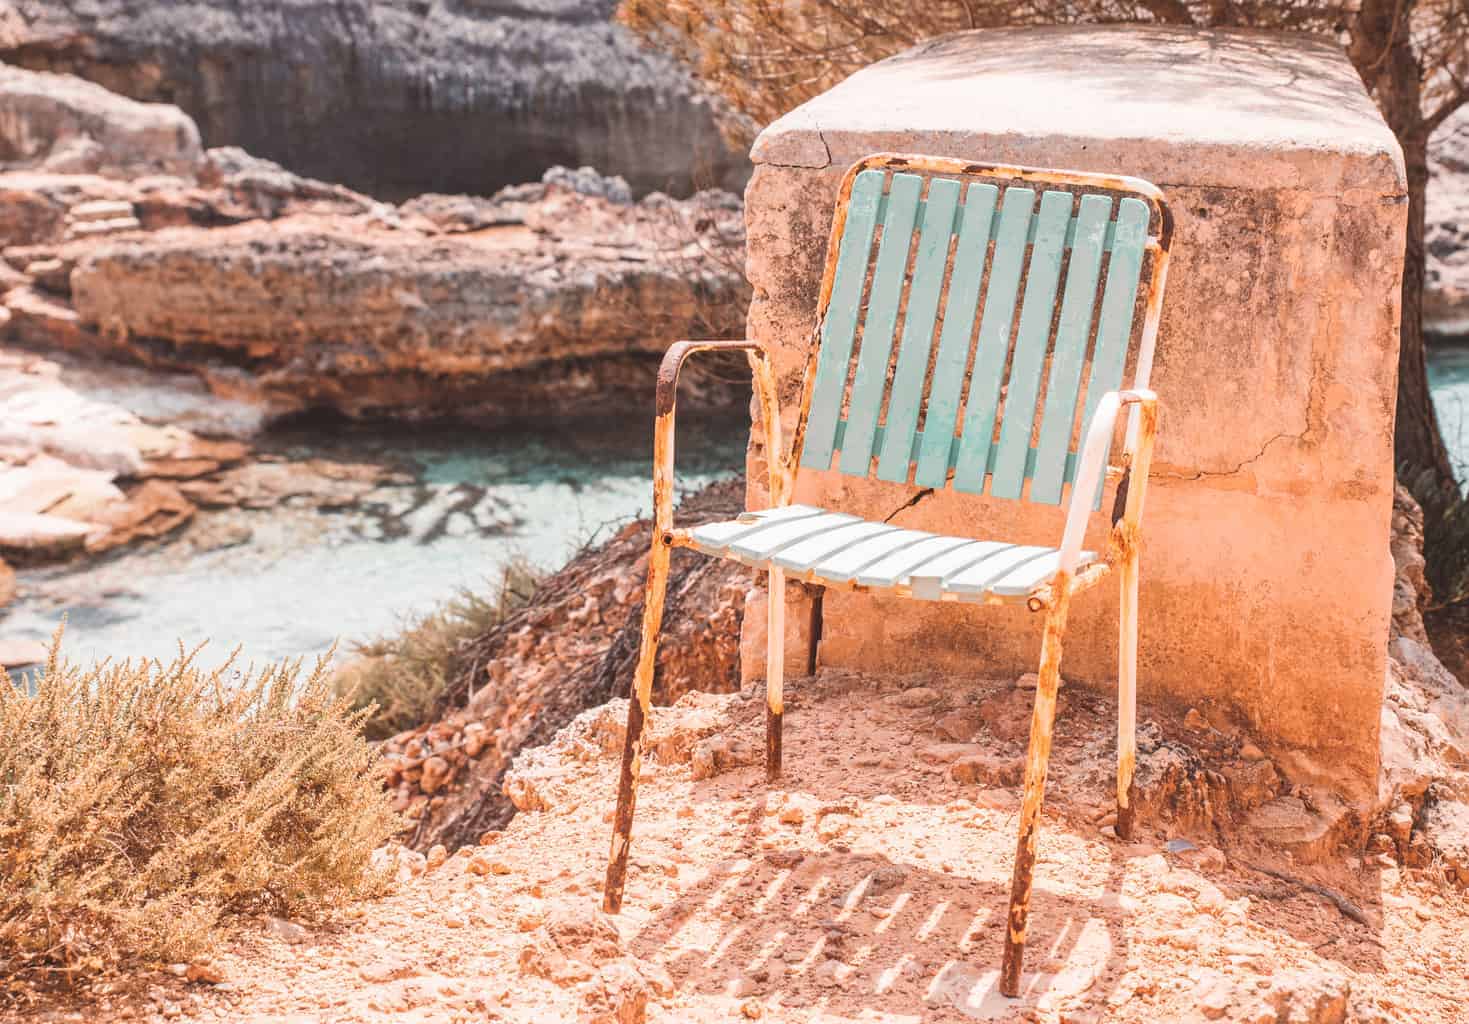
(1446, 298)
(394, 98)
(548, 299)
(296, 294)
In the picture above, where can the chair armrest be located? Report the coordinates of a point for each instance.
(666, 401)
(1093, 454)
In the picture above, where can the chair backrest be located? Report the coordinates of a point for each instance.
(1022, 284)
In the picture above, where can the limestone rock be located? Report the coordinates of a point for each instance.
(153, 510)
(1446, 830)
(60, 123)
(397, 99)
(1309, 833)
(439, 324)
(287, 931)
(20, 653)
(1446, 291)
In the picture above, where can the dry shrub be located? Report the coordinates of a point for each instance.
(142, 802)
(398, 679)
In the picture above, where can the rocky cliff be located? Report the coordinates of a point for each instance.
(396, 98)
(120, 236)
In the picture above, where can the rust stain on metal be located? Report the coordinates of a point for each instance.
(1037, 759)
(665, 538)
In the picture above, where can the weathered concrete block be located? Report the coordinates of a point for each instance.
(1266, 577)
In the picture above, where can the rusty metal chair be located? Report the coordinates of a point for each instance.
(1001, 278)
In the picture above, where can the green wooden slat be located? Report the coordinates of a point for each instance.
(995, 225)
(906, 396)
(839, 326)
(1068, 473)
(993, 342)
(1119, 296)
(1036, 310)
(886, 296)
(1069, 354)
(938, 450)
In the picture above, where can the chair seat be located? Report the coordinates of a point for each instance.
(843, 550)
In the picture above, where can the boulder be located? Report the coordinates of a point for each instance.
(371, 315)
(394, 98)
(59, 123)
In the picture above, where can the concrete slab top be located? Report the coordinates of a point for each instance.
(1248, 109)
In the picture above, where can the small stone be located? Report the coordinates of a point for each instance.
(742, 987)
(915, 697)
(832, 974)
(436, 772)
(204, 971)
(479, 864)
(796, 809)
(1213, 995)
(784, 858)
(1250, 752)
(1400, 822)
(752, 1009)
(959, 726)
(987, 770)
(1194, 721)
(436, 857)
(475, 739)
(486, 838)
(389, 967)
(1029, 681)
(831, 826)
(286, 931)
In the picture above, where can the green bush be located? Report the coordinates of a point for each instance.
(400, 677)
(142, 803)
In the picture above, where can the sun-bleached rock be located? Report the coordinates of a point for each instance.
(61, 123)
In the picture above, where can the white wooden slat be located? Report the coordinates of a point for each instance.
(713, 538)
(886, 572)
(813, 543)
(767, 540)
(928, 581)
(801, 557)
(1025, 577)
(843, 566)
(976, 579)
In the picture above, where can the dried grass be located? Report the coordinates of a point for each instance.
(142, 803)
(398, 679)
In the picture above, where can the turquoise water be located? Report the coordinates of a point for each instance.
(288, 581)
(1448, 379)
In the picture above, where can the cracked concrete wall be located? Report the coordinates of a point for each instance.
(1266, 577)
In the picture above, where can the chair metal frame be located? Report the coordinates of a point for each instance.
(1052, 597)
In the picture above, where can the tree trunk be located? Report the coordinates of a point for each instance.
(1381, 48)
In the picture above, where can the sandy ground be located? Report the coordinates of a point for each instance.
(870, 885)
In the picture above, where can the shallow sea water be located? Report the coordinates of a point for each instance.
(291, 580)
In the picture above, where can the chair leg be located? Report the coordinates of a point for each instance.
(639, 706)
(1042, 719)
(775, 650)
(1127, 697)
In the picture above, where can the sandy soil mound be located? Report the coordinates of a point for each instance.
(871, 885)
